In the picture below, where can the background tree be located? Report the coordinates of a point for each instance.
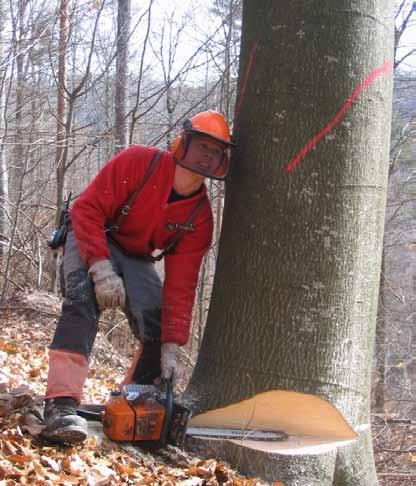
(294, 302)
(19, 124)
(121, 81)
(4, 187)
(134, 113)
(405, 18)
(61, 118)
(61, 112)
(394, 388)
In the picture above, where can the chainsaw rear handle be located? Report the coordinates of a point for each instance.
(169, 411)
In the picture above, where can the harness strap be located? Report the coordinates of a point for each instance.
(126, 207)
(183, 228)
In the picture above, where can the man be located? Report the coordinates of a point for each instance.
(108, 262)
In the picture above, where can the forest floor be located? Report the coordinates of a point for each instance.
(27, 324)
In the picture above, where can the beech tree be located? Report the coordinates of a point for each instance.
(295, 292)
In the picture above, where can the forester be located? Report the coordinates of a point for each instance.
(141, 201)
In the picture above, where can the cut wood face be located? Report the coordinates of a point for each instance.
(313, 425)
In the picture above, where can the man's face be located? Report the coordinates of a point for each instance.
(205, 155)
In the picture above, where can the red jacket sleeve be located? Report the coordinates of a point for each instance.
(102, 199)
(181, 279)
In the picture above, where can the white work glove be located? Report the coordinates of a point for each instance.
(108, 286)
(169, 362)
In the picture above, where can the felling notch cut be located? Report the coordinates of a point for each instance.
(312, 424)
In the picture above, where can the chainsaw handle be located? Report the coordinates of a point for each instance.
(169, 411)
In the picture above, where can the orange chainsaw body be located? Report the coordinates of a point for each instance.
(125, 421)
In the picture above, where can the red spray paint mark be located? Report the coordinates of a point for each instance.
(387, 66)
(246, 76)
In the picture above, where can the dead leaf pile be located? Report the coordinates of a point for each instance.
(27, 328)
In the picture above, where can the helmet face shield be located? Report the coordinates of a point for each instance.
(206, 155)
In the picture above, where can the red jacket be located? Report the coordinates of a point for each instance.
(144, 229)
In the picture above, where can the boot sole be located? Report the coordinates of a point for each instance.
(66, 435)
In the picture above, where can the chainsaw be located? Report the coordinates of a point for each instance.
(149, 416)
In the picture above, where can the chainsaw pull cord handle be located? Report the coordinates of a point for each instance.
(169, 411)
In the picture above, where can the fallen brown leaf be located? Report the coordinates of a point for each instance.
(34, 372)
(100, 475)
(19, 458)
(73, 465)
(203, 469)
(50, 463)
(31, 424)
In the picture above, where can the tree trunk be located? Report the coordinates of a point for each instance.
(226, 99)
(61, 132)
(231, 9)
(295, 293)
(4, 184)
(135, 115)
(388, 317)
(19, 165)
(380, 354)
(121, 85)
(61, 136)
(19, 155)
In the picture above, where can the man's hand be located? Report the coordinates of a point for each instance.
(108, 286)
(169, 363)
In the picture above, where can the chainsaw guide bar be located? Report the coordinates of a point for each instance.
(235, 434)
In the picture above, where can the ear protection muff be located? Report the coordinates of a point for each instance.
(181, 142)
(179, 146)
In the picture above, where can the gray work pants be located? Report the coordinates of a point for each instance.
(78, 323)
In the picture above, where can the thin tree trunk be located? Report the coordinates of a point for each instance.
(295, 292)
(19, 162)
(19, 167)
(61, 116)
(135, 116)
(108, 109)
(121, 85)
(226, 84)
(225, 105)
(4, 184)
(61, 136)
(380, 356)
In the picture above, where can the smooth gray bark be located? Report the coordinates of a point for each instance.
(295, 294)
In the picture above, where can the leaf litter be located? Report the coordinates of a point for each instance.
(27, 325)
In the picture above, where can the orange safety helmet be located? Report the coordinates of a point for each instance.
(207, 123)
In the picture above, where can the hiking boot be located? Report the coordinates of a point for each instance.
(63, 425)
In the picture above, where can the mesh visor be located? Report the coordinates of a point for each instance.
(206, 156)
